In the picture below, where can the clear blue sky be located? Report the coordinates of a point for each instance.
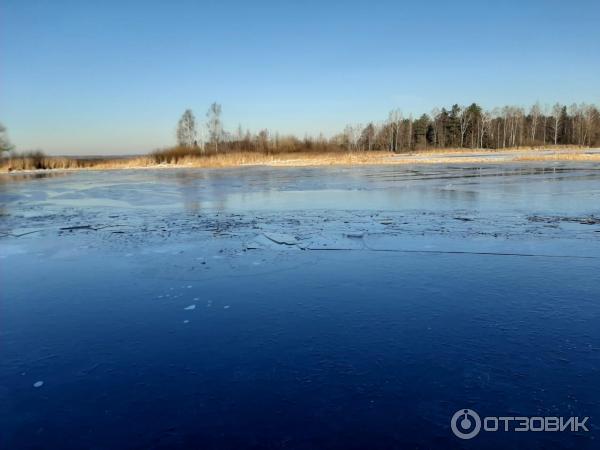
(106, 77)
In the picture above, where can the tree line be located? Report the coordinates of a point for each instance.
(454, 127)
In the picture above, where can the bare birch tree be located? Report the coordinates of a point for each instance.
(556, 113)
(214, 125)
(465, 119)
(395, 121)
(435, 119)
(186, 130)
(485, 123)
(590, 116)
(5, 145)
(535, 113)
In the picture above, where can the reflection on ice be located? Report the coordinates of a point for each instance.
(501, 187)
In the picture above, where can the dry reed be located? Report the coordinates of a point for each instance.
(192, 158)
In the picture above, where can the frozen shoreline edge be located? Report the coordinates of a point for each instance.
(418, 158)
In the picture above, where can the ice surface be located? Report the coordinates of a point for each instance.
(280, 238)
(377, 299)
(335, 242)
(7, 249)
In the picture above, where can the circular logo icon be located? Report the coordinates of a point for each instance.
(465, 423)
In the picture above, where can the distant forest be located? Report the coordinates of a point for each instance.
(455, 127)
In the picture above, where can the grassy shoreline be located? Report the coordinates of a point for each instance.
(240, 159)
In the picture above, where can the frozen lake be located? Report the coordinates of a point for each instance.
(298, 307)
